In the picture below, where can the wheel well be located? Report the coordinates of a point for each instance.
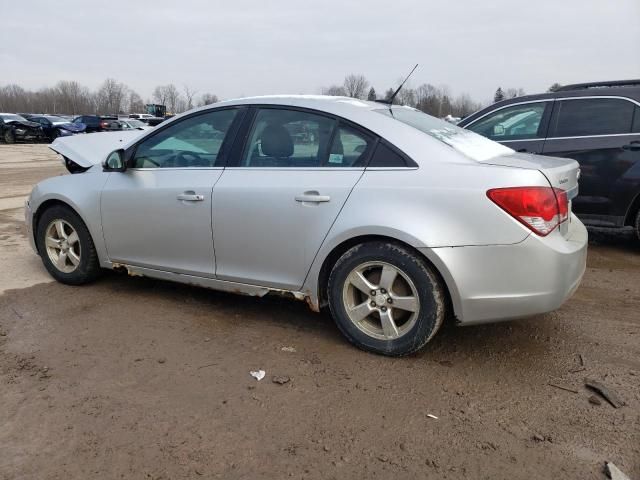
(633, 211)
(339, 250)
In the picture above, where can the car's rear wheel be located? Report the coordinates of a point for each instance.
(66, 247)
(9, 136)
(386, 299)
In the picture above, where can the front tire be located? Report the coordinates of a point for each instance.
(9, 137)
(66, 247)
(386, 299)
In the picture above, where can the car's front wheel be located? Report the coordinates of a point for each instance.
(9, 136)
(66, 247)
(385, 298)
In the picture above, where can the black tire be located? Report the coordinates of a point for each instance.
(429, 291)
(9, 137)
(88, 268)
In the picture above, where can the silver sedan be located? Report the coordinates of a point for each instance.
(392, 219)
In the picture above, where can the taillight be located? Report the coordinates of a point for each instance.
(539, 208)
(104, 124)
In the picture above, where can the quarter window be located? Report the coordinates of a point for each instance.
(592, 116)
(384, 156)
(288, 138)
(520, 122)
(193, 142)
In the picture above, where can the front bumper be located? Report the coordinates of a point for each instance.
(28, 220)
(503, 282)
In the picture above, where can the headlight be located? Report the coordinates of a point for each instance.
(65, 133)
(20, 131)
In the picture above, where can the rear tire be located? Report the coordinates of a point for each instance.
(66, 247)
(386, 299)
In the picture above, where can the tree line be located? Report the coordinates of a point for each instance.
(112, 97)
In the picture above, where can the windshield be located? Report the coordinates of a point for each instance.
(135, 123)
(464, 141)
(12, 117)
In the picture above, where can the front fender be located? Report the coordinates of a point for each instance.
(80, 192)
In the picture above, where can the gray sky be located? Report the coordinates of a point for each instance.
(241, 47)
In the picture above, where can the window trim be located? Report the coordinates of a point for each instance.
(225, 148)
(554, 116)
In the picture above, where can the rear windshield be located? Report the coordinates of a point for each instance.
(464, 141)
(12, 117)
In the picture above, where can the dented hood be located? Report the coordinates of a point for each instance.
(93, 148)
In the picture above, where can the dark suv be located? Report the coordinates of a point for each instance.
(95, 123)
(597, 124)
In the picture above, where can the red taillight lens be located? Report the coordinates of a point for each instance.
(539, 208)
(104, 124)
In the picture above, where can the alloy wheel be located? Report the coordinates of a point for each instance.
(381, 300)
(63, 246)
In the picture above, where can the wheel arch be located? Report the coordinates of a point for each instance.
(49, 203)
(632, 211)
(337, 251)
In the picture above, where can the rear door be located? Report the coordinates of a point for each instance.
(521, 126)
(274, 205)
(599, 133)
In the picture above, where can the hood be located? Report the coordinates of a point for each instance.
(23, 123)
(71, 127)
(93, 148)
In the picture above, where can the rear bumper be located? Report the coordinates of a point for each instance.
(503, 282)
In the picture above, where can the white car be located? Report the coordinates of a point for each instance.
(393, 219)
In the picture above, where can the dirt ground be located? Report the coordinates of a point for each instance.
(138, 378)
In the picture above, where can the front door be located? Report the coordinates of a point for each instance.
(157, 214)
(274, 207)
(599, 134)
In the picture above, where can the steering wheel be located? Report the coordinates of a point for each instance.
(188, 158)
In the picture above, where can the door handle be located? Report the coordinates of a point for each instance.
(635, 145)
(312, 197)
(190, 197)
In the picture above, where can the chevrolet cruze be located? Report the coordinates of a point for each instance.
(392, 219)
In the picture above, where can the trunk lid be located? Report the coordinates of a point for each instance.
(93, 148)
(562, 173)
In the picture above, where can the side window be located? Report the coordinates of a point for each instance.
(520, 122)
(635, 128)
(592, 116)
(350, 148)
(192, 142)
(385, 156)
(287, 138)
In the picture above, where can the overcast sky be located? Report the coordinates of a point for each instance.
(240, 47)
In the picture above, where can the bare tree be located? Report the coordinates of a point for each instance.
(513, 92)
(189, 93)
(159, 95)
(111, 96)
(356, 86)
(173, 98)
(207, 99)
(554, 87)
(135, 102)
(334, 90)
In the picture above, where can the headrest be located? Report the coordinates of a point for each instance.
(276, 142)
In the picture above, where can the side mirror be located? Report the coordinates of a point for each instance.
(115, 162)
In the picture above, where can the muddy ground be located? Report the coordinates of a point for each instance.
(138, 378)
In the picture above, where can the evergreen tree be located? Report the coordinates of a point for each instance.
(372, 94)
(499, 95)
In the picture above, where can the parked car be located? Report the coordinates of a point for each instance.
(95, 123)
(54, 127)
(391, 218)
(140, 116)
(597, 124)
(14, 128)
(132, 123)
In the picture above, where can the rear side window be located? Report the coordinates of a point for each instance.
(592, 116)
(350, 148)
(385, 156)
(283, 138)
(520, 122)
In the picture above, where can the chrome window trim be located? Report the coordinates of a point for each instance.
(153, 169)
(568, 138)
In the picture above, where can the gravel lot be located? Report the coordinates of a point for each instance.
(138, 378)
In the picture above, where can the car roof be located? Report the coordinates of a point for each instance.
(629, 89)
